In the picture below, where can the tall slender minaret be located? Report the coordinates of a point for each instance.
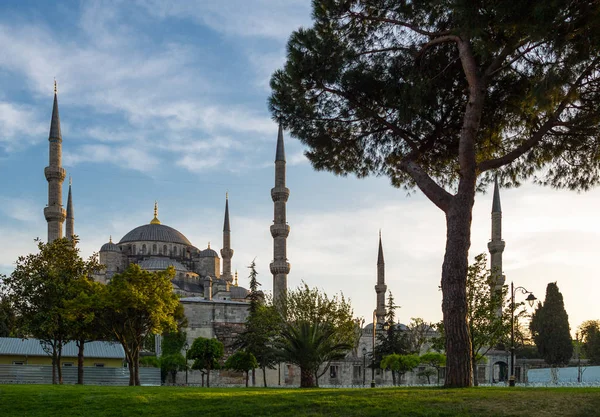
(280, 267)
(70, 223)
(496, 244)
(226, 252)
(55, 175)
(380, 288)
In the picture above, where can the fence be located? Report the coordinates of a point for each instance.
(42, 374)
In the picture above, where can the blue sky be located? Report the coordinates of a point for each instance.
(163, 100)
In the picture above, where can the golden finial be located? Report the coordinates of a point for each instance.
(55, 87)
(236, 278)
(110, 239)
(379, 233)
(227, 195)
(208, 245)
(155, 219)
(70, 180)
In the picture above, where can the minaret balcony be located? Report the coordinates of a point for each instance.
(280, 194)
(55, 173)
(280, 230)
(226, 253)
(379, 288)
(55, 213)
(495, 246)
(280, 267)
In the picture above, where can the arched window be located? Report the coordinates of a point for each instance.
(134, 250)
(175, 250)
(154, 249)
(165, 250)
(144, 249)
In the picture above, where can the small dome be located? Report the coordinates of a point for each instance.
(160, 264)
(238, 292)
(208, 253)
(110, 247)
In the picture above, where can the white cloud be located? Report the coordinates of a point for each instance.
(133, 158)
(20, 125)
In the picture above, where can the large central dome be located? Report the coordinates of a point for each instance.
(155, 232)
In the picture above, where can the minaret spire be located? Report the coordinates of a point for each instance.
(55, 175)
(70, 223)
(280, 267)
(226, 252)
(496, 244)
(155, 219)
(380, 288)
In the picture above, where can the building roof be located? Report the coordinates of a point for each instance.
(110, 247)
(160, 264)
(208, 253)
(33, 347)
(155, 232)
(496, 201)
(55, 132)
(226, 227)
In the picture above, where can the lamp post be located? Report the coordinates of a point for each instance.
(186, 347)
(364, 375)
(530, 299)
(373, 351)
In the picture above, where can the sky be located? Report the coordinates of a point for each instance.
(167, 101)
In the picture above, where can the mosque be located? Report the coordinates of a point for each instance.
(214, 304)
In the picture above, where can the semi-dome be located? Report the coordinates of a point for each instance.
(208, 253)
(155, 232)
(160, 264)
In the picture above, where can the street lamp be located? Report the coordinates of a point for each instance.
(186, 347)
(530, 299)
(364, 375)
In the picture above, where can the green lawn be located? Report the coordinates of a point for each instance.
(49, 401)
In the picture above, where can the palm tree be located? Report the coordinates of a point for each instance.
(309, 345)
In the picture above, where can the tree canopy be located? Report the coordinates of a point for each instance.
(242, 361)
(441, 95)
(550, 328)
(206, 354)
(590, 334)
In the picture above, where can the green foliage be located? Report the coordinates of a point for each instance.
(241, 361)
(550, 328)
(8, 318)
(317, 330)
(137, 303)
(170, 364)
(590, 334)
(173, 342)
(262, 329)
(44, 290)
(417, 334)
(434, 359)
(149, 362)
(400, 363)
(206, 354)
(255, 295)
(391, 339)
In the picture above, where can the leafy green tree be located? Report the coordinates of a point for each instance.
(400, 363)
(486, 328)
(40, 289)
(149, 362)
(317, 330)
(260, 335)
(206, 354)
(441, 96)
(8, 318)
(590, 334)
(135, 304)
(242, 361)
(550, 329)
(391, 339)
(170, 364)
(434, 361)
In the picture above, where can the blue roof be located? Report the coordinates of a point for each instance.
(33, 347)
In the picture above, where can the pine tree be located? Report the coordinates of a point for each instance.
(550, 328)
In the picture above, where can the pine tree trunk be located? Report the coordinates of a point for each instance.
(307, 378)
(454, 280)
(81, 346)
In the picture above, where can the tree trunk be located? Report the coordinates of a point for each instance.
(393, 378)
(136, 365)
(129, 358)
(254, 377)
(307, 378)
(81, 346)
(247, 377)
(264, 369)
(474, 366)
(454, 282)
(58, 364)
(208, 377)
(53, 365)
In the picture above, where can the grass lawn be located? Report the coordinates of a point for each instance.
(89, 401)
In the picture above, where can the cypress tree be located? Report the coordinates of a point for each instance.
(550, 328)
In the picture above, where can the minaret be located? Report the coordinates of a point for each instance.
(226, 252)
(70, 224)
(280, 267)
(55, 175)
(496, 244)
(380, 288)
